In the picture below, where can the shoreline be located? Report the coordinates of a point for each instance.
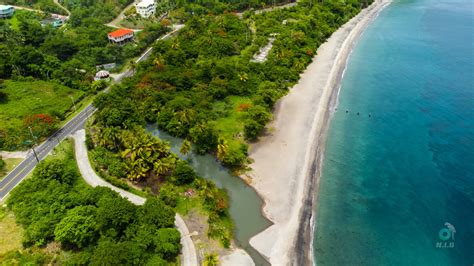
(284, 177)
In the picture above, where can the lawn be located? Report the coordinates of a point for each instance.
(10, 232)
(9, 165)
(27, 98)
(231, 126)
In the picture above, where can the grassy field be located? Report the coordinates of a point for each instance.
(26, 98)
(9, 165)
(10, 232)
(232, 124)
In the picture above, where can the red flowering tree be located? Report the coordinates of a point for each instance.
(41, 124)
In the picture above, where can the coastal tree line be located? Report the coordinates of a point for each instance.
(203, 85)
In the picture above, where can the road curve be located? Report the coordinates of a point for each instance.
(189, 257)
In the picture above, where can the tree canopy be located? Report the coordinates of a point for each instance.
(99, 226)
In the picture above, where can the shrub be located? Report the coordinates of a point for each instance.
(56, 170)
(236, 155)
(183, 173)
(252, 129)
(168, 195)
(2, 163)
(78, 227)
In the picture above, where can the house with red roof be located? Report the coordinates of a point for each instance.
(121, 36)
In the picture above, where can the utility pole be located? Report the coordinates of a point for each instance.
(36, 156)
(73, 103)
(33, 147)
(33, 136)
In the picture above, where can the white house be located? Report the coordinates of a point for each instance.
(146, 8)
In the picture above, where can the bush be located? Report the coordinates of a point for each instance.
(183, 173)
(2, 163)
(205, 137)
(167, 243)
(168, 195)
(236, 155)
(252, 129)
(78, 227)
(56, 170)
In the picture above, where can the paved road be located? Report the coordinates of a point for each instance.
(115, 22)
(29, 163)
(78, 122)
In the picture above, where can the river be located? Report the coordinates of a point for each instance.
(245, 204)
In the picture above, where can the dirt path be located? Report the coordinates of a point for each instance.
(62, 7)
(13, 154)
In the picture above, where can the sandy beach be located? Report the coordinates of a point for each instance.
(287, 160)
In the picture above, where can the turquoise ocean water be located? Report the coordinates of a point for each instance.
(391, 181)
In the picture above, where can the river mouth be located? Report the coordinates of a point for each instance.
(245, 204)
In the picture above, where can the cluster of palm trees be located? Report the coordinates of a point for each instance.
(144, 154)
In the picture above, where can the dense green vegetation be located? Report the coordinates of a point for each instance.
(203, 86)
(98, 11)
(67, 56)
(204, 7)
(135, 155)
(25, 102)
(44, 5)
(96, 225)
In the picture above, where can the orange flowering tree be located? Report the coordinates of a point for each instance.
(41, 124)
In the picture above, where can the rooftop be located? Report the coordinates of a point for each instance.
(145, 3)
(120, 33)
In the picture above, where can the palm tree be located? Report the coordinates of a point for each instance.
(210, 37)
(185, 147)
(243, 77)
(190, 34)
(299, 65)
(109, 138)
(145, 155)
(185, 116)
(211, 260)
(159, 62)
(133, 65)
(222, 149)
(175, 44)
